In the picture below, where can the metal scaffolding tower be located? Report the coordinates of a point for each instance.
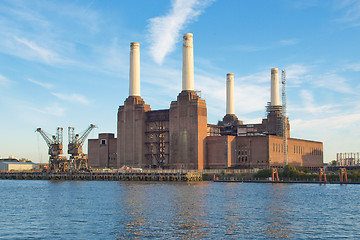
(284, 118)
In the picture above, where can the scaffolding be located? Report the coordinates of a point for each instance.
(284, 119)
(157, 135)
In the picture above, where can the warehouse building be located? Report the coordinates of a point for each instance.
(12, 164)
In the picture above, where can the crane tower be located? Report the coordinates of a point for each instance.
(55, 145)
(284, 118)
(78, 159)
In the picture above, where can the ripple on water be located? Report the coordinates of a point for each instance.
(133, 210)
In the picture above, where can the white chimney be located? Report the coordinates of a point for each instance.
(134, 81)
(188, 63)
(230, 109)
(275, 97)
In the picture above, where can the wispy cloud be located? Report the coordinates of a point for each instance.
(213, 89)
(289, 42)
(333, 82)
(309, 106)
(350, 10)
(296, 74)
(41, 84)
(249, 48)
(164, 31)
(52, 110)
(354, 67)
(277, 44)
(4, 81)
(334, 122)
(260, 77)
(74, 98)
(32, 51)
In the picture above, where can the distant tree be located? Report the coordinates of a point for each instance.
(263, 173)
(333, 163)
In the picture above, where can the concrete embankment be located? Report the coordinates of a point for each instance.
(227, 178)
(180, 176)
(101, 176)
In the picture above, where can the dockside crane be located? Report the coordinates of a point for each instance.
(78, 159)
(55, 145)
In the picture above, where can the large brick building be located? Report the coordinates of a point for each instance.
(181, 138)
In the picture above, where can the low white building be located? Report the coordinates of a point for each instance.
(17, 166)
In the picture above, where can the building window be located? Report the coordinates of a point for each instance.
(103, 142)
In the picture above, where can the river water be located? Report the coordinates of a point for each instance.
(157, 210)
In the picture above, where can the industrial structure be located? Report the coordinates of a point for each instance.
(78, 160)
(348, 159)
(55, 145)
(181, 138)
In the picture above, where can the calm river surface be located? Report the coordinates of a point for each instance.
(206, 210)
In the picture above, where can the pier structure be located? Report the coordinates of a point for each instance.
(105, 176)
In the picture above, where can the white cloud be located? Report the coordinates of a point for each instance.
(309, 106)
(31, 50)
(4, 81)
(336, 132)
(296, 71)
(354, 67)
(52, 110)
(164, 31)
(250, 96)
(249, 48)
(260, 77)
(74, 98)
(330, 124)
(41, 84)
(278, 44)
(289, 42)
(350, 10)
(333, 82)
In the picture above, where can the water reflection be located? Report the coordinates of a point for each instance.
(188, 206)
(154, 209)
(277, 207)
(133, 210)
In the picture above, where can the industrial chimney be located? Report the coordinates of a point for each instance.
(275, 97)
(230, 94)
(134, 80)
(188, 63)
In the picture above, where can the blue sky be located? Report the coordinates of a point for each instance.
(66, 63)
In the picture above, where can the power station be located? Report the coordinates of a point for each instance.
(181, 138)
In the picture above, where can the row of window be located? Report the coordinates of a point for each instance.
(315, 152)
(277, 147)
(243, 151)
(299, 149)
